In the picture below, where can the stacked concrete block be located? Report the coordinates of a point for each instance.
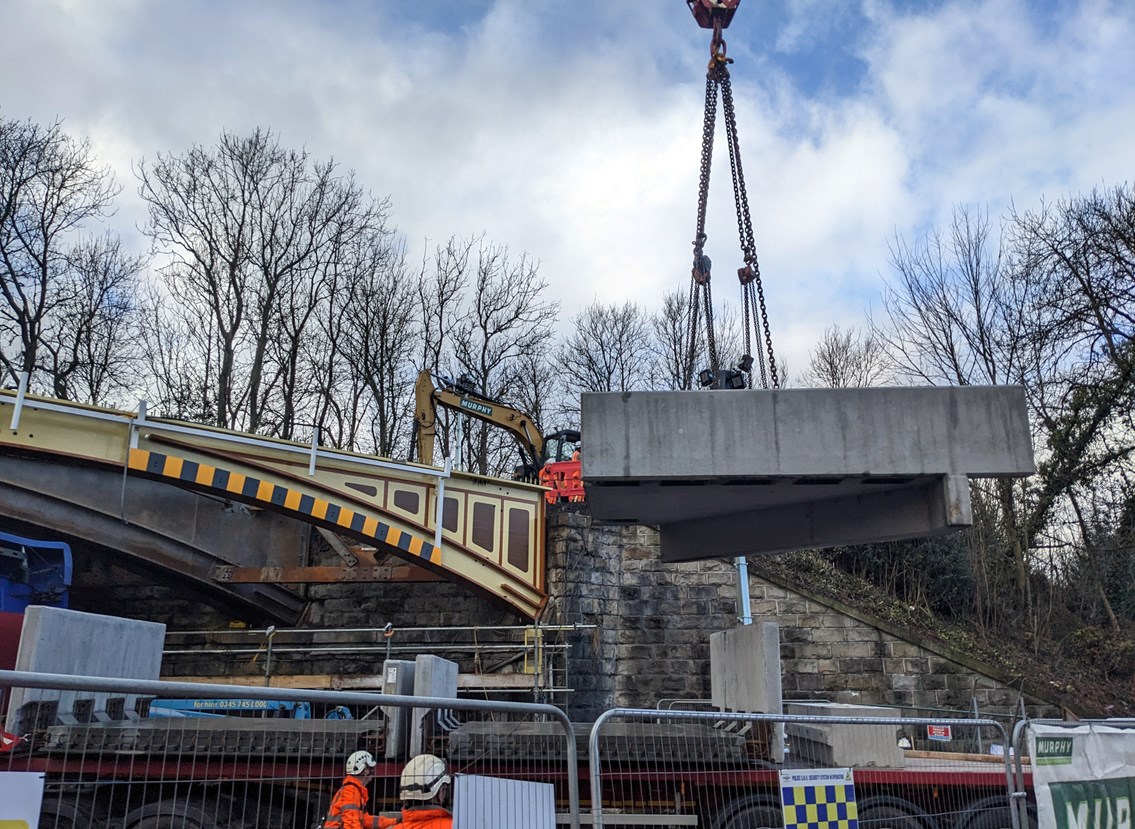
(58, 641)
(843, 745)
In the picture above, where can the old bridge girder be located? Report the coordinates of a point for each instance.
(491, 538)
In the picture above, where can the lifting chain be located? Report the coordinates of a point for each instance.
(718, 83)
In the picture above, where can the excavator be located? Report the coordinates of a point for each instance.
(551, 459)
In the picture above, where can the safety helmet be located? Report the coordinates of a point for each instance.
(360, 762)
(423, 778)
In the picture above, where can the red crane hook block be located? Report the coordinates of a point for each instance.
(708, 13)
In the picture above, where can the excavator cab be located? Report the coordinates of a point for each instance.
(562, 471)
(562, 446)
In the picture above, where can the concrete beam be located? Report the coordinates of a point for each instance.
(737, 472)
(937, 508)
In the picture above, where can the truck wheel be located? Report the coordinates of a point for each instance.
(170, 814)
(57, 813)
(992, 813)
(751, 813)
(894, 816)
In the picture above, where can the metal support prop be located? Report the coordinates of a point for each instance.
(314, 451)
(439, 507)
(742, 565)
(20, 392)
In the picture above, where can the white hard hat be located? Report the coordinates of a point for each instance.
(423, 778)
(359, 762)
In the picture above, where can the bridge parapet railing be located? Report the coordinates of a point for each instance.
(135, 754)
(726, 770)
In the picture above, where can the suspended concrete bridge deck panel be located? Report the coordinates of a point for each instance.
(492, 530)
(727, 473)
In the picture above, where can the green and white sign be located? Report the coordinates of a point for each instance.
(474, 406)
(1083, 777)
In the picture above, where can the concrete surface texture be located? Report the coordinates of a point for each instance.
(845, 745)
(752, 471)
(744, 671)
(59, 641)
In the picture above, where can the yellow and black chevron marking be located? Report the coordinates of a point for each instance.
(280, 497)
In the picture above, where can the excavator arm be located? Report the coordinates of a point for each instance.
(461, 397)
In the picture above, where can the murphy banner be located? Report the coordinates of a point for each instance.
(1083, 776)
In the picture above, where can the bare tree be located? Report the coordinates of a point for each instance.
(89, 351)
(952, 318)
(846, 358)
(50, 187)
(505, 320)
(381, 334)
(948, 317)
(251, 230)
(1075, 264)
(442, 284)
(670, 369)
(1052, 310)
(609, 349)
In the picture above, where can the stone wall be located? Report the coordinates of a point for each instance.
(654, 622)
(650, 626)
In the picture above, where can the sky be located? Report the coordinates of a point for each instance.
(570, 130)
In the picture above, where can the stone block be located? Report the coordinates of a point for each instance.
(852, 650)
(903, 682)
(814, 650)
(902, 649)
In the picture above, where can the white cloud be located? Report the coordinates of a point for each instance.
(580, 144)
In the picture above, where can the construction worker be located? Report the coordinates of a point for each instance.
(424, 791)
(348, 807)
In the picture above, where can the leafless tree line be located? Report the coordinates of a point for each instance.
(1048, 303)
(279, 298)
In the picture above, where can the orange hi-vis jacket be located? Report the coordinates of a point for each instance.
(431, 818)
(348, 808)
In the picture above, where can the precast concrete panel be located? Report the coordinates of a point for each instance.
(980, 431)
(59, 641)
(433, 677)
(726, 473)
(744, 673)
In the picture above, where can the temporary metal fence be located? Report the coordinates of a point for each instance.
(530, 660)
(134, 754)
(1092, 807)
(750, 771)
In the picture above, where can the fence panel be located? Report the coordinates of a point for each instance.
(752, 771)
(1079, 774)
(173, 755)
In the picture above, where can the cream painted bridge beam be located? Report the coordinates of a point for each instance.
(492, 533)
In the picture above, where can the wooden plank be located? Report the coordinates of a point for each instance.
(958, 755)
(337, 682)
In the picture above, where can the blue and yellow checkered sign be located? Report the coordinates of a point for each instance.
(818, 799)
